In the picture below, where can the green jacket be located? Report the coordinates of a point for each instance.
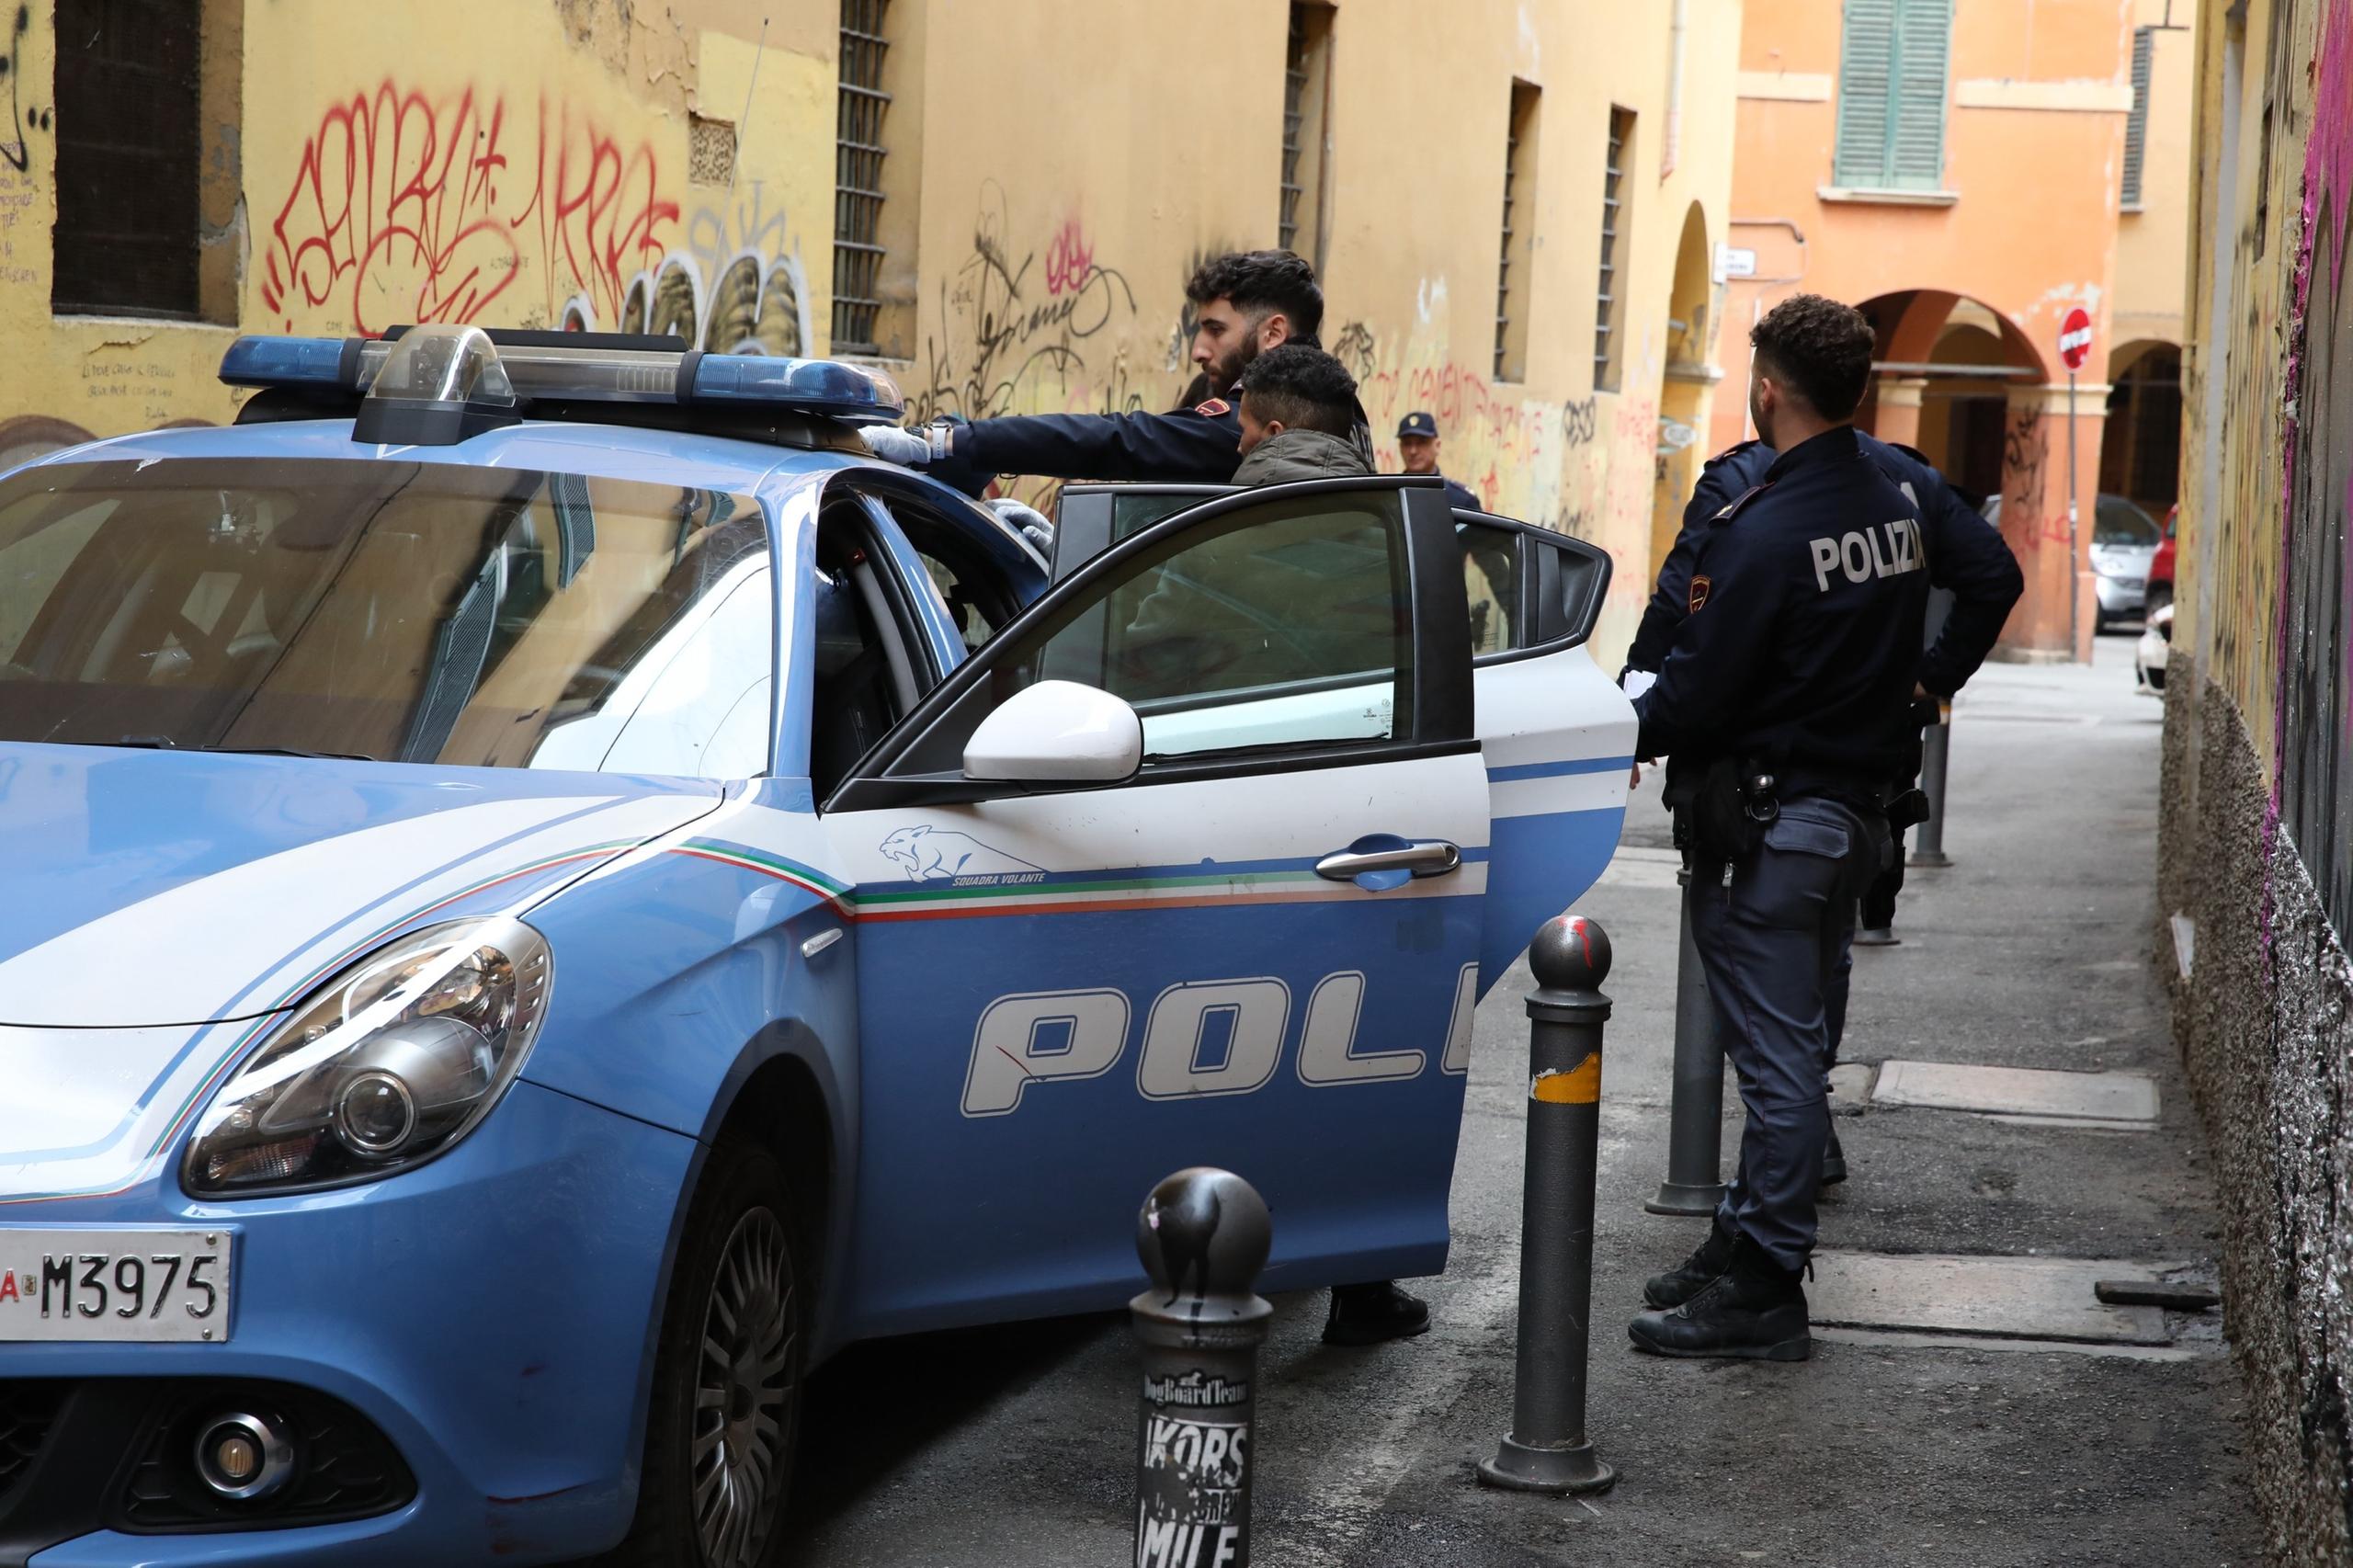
(1299, 454)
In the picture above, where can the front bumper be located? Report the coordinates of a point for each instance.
(491, 1314)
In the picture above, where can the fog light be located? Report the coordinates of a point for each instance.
(243, 1458)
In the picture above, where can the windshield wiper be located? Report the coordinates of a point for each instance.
(165, 743)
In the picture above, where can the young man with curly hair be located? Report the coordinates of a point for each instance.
(1243, 304)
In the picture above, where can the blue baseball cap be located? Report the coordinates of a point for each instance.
(1418, 424)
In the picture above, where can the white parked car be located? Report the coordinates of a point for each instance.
(2124, 542)
(2149, 658)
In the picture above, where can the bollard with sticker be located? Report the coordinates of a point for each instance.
(1547, 1449)
(1203, 1235)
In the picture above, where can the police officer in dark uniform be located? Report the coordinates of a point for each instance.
(1245, 303)
(1417, 448)
(1967, 556)
(1781, 707)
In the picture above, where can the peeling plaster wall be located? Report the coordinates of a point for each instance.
(2255, 845)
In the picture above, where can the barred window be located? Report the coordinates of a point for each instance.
(1306, 92)
(857, 175)
(1512, 269)
(1610, 307)
(128, 134)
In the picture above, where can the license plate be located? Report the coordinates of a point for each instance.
(117, 1285)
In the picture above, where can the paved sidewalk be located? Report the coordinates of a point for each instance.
(1015, 1445)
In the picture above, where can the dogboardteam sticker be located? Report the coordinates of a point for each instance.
(1194, 1472)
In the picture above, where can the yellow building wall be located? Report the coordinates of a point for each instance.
(445, 160)
(2153, 244)
(1055, 170)
(1055, 243)
(2277, 224)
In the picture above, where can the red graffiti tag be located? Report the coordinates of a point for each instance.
(406, 210)
(1070, 258)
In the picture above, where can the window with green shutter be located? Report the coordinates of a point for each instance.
(1892, 69)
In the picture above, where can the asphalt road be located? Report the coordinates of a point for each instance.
(1013, 1446)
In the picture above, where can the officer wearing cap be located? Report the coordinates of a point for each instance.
(1245, 303)
(1781, 707)
(1967, 556)
(1417, 444)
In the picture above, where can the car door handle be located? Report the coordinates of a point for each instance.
(1375, 863)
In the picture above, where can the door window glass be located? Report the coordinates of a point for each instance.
(1285, 624)
(1491, 583)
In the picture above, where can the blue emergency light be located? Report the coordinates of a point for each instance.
(433, 385)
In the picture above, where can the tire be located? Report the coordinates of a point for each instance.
(2159, 596)
(721, 1434)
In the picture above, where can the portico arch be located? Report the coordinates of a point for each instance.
(1685, 383)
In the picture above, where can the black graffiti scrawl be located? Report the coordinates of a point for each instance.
(18, 149)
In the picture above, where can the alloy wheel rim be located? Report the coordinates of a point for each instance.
(743, 1386)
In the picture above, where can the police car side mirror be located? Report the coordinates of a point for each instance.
(1057, 732)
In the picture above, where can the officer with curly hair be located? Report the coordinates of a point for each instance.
(1782, 707)
(1245, 303)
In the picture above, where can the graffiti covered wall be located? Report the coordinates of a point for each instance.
(578, 164)
(1053, 246)
(2256, 851)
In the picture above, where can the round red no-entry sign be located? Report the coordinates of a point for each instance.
(2076, 339)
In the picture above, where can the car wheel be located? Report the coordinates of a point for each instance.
(724, 1420)
(2159, 596)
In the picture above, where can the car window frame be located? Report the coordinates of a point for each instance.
(1535, 590)
(1084, 533)
(1442, 690)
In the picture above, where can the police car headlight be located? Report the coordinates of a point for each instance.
(385, 1066)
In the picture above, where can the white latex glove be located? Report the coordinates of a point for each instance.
(909, 449)
(1034, 524)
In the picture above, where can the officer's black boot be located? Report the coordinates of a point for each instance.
(1834, 1162)
(1368, 1314)
(1754, 1309)
(1679, 1284)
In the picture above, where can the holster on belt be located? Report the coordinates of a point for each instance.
(1715, 813)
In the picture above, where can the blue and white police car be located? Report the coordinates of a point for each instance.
(544, 893)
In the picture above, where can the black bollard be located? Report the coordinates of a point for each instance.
(1935, 751)
(1203, 1236)
(1695, 1119)
(1547, 1449)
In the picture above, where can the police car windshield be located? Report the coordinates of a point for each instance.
(413, 612)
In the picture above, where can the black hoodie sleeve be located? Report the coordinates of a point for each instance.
(1192, 446)
(1968, 555)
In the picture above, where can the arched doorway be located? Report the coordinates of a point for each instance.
(1957, 378)
(1947, 365)
(2140, 448)
(1683, 384)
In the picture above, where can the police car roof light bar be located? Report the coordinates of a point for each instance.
(603, 368)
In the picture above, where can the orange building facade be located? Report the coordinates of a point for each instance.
(1968, 174)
